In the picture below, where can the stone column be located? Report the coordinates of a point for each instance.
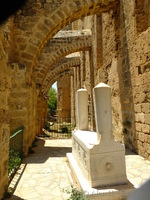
(72, 100)
(82, 109)
(103, 112)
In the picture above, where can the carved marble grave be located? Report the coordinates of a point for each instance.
(100, 158)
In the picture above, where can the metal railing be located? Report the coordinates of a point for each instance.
(15, 150)
(60, 128)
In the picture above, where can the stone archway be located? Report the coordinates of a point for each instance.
(45, 27)
(66, 46)
(59, 68)
(63, 94)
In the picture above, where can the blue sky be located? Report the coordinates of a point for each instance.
(55, 86)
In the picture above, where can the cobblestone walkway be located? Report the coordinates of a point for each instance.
(45, 172)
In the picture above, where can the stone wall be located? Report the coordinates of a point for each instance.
(141, 93)
(41, 114)
(116, 51)
(134, 85)
(142, 11)
(5, 84)
(107, 71)
(121, 59)
(22, 105)
(87, 66)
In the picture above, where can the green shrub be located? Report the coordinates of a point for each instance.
(47, 126)
(14, 161)
(76, 194)
(64, 129)
(52, 101)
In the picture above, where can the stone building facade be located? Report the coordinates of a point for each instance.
(113, 41)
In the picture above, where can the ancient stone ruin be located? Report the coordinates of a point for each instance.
(78, 44)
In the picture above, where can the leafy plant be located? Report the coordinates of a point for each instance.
(14, 161)
(52, 101)
(47, 126)
(64, 129)
(76, 194)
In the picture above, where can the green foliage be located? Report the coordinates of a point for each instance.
(52, 101)
(14, 161)
(47, 126)
(76, 194)
(64, 129)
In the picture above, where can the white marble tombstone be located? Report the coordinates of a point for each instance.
(100, 158)
(82, 109)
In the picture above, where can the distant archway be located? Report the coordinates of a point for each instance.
(59, 68)
(77, 44)
(61, 74)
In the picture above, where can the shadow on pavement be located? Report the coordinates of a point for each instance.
(42, 152)
(43, 149)
(13, 197)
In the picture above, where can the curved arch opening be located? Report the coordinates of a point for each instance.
(75, 11)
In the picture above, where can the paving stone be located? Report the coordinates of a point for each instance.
(46, 178)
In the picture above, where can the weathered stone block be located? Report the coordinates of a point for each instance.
(147, 138)
(142, 137)
(5, 135)
(140, 117)
(137, 108)
(136, 135)
(145, 128)
(3, 99)
(139, 145)
(147, 118)
(147, 147)
(138, 127)
(141, 97)
(145, 107)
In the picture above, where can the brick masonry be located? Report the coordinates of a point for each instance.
(113, 38)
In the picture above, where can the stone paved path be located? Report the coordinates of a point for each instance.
(137, 168)
(45, 172)
(45, 175)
